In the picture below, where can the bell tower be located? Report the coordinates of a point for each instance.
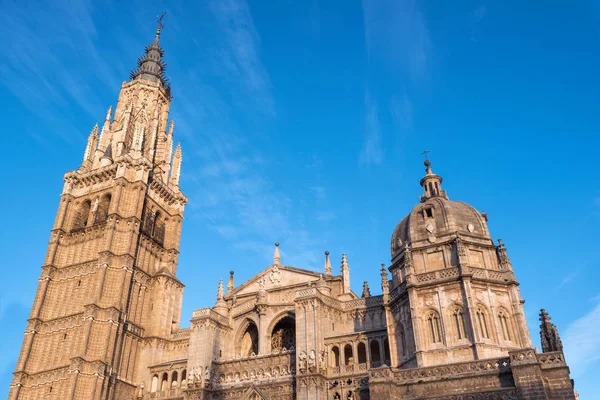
(108, 284)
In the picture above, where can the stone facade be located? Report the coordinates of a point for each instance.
(105, 323)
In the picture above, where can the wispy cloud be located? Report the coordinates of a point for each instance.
(230, 178)
(40, 52)
(372, 151)
(568, 278)
(397, 31)
(401, 109)
(582, 342)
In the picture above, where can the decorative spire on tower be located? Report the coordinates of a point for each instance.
(220, 291)
(90, 148)
(385, 284)
(345, 269)
(431, 183)
(176, 167)
(327, 263)
(230, 283)
(549, 334)
(366, 291)
(276, 256)
(151, 66)
(505, 263)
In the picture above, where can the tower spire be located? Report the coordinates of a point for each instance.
(345, 274)
(176, 167)
(151, 66)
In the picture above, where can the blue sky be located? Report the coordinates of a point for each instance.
(303, 122)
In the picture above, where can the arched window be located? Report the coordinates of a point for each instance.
(402, 339)
(433, 326)
(284, 334)
(482, 323)
(375, 352)
(504, 325)
(154, 386)
(82, 215)
(158, 230)
(248, 343)
(174, 380)
(348, 358)
(164, 382)
(386, 349)
(362, 353)
(334, 357)
(183, 376)
(102, 211)
(459, 323)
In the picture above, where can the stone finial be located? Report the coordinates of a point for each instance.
(385, 285)
(176, 166)
(108, 114)
(549, 334)
(345, 273)
(327, 263)
(230, 283)
(505, 263)
(92, 142)
(276, 256)
(171, 127)
(220, 290)
(366, 291)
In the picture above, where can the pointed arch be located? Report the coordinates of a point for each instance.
(482, 321)
(458, 322)
(375, 351)
(283, 334)
(82, 215)
(103, 207)
(348, 354)
(505, 325)
(247, 339)
(434, 327)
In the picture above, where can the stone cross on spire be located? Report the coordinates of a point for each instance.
(549, 334)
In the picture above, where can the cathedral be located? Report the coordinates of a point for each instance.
(105, 321)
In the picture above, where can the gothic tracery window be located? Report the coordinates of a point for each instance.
(482, 323)
(459, 323)
(433, 324)
(504, 325)
(284, 334)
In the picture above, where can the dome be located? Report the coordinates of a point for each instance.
(438, 219)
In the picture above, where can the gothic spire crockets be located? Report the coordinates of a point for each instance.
(549, 334)
(327, 263)
(151, 66)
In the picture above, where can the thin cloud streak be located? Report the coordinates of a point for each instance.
(233, 192)
(372, 150)
(582, 342)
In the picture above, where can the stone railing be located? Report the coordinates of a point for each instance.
(267, 367)
(491, 275)
(551, 359)
(347, 370)
(208, 313)
(167, 394)
(182, 334)
(494, 366)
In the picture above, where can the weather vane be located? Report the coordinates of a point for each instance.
(425, 154)
(159, 19)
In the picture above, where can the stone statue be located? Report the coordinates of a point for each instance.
(312, 361)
